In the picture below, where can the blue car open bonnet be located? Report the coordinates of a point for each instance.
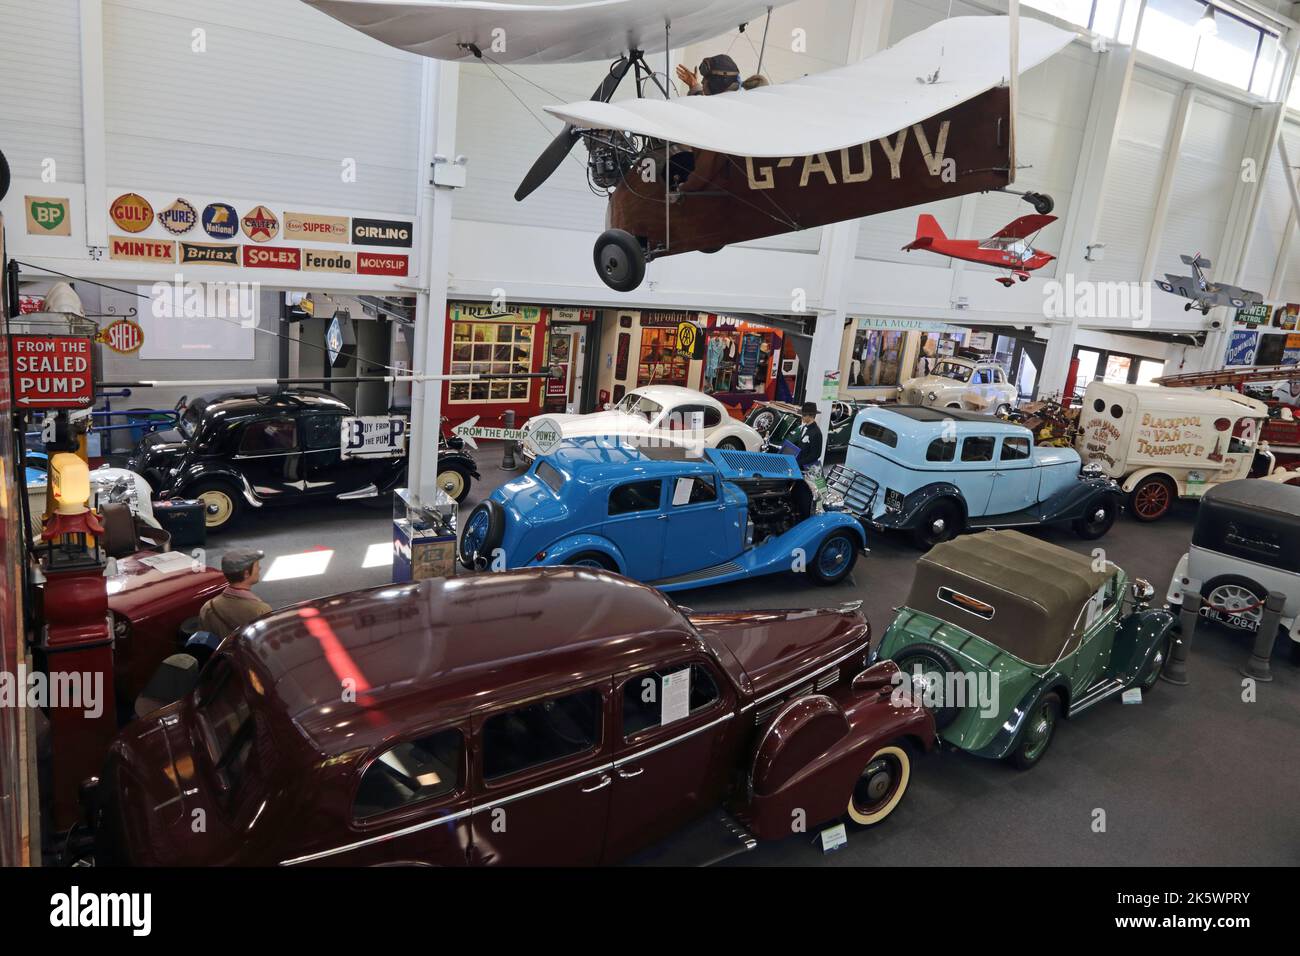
(738, 465)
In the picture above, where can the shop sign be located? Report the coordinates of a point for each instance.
(302, 225)
(381, 264)
(178, 218)
(52, 371)
(908, 325)
(47, 216)
(381, 232)
(830, 385)
(690, 341)
(260, 224)
(1284, 316)
(980, 341)
(378, 436)
(665, 320)
(1253, 315)
(122, 336)
(207, 254)
(573, 316)
(220, 221)
(1241, 348)
(557, 386)
(126, 249)
(131, 212)
(487, 312)
(272, 257)
(328, 260)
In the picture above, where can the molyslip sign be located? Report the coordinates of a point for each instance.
(52, 371)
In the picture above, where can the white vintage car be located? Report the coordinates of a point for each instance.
(656, 413)
(961, 383)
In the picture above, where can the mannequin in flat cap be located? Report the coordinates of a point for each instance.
(237, 605)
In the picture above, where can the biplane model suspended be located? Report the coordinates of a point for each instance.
(1008, 248)
(1203, 293)
(926, 119)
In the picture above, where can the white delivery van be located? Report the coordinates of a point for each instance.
(1162, 443)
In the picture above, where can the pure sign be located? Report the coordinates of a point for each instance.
(52, 371)
(374, 437)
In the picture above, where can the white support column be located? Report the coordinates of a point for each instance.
(1174, 146)
(839, 242)
(1100, 135)
(93, 137)
(437, 146)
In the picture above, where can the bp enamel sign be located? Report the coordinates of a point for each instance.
(376, 436)
(52, 371)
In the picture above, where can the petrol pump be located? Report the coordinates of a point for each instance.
(75, 645)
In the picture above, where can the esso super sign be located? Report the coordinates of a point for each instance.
(52, 371)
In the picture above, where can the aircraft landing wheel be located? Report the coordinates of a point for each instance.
(1042, 203)
(620, 260)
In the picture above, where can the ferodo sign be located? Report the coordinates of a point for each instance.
(272, 257)
(329, 260)
(52, 371)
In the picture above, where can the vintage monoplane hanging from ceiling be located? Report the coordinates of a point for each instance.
(1009, 248)
(927, 119)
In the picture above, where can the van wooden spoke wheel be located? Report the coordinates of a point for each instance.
(1151, 498)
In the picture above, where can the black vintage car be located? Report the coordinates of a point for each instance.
(237, 450)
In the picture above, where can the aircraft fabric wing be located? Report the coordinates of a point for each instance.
(1023, 227)
(573, 32)
(841, 107)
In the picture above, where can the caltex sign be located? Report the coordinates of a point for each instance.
(52, 371)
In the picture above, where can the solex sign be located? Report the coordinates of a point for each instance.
(52, 371)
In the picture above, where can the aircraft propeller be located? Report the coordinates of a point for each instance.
(551, 158)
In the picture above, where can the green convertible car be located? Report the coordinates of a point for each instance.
(1003, 634)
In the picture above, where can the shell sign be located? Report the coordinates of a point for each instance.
(131, 212)
(122, 336)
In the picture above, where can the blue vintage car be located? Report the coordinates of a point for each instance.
(655, 516)
(941, 471)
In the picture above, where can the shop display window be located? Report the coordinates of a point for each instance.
(659, 362)
(876, 358)
(491, 348)
(739, 360)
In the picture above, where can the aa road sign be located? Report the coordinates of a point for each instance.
(52, 371)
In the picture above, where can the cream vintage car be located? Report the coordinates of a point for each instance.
(652, 414)
(962, 383)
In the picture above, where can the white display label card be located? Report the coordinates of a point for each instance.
(682, 490)
(1132, 696)
(834, 837)
(696, 421)
(169, 562)
(675, 696)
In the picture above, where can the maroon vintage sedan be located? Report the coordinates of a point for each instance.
(542, 716)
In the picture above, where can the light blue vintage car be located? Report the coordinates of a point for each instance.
(653, 515)
(940, 471)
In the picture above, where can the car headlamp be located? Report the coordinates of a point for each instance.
(931, 395)
(1093, 470)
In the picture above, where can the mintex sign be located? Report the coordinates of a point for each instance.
(52, 371)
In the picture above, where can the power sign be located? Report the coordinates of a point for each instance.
(52, 371)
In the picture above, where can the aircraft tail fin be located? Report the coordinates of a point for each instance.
(1196, 260)
(927, 231)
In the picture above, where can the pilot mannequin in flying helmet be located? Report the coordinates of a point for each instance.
(718, 74)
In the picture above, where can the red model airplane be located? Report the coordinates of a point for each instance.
(1007, 248)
